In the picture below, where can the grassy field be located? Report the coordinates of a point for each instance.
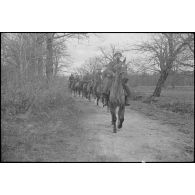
(180, 93)
(180, 99)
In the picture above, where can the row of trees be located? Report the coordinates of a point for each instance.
(163, 55)
(173, 80)
(100, 61)
(29, 64)
(32, 56)
(28, 56)
(166, 53)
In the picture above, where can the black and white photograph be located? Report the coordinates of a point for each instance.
(97, 97)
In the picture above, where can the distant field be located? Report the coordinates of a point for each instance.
(180, 93)
(180, 99)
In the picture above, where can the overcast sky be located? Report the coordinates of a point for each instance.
(83, 50)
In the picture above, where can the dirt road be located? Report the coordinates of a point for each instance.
(140, 139)
(87, 136)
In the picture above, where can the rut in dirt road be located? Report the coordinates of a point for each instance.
(140, 140)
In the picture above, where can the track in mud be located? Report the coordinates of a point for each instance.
(140, 140)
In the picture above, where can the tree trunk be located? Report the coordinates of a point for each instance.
(32, 66)
(56, 69)
(56, 63)
(49, 61)
(160, 83)
(40, 67)
(39, 56)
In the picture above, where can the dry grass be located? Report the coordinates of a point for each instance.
(53, 119)
(34, 96)
(180, 99)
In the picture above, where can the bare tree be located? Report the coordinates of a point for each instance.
(50, 38)
(165, 51)
(49, 61)
(61, 57)
(40, 38)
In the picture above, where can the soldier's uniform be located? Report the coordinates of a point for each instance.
(97, 78)
(77, 78)
(109, 73)
(71, 79)
(86, 78)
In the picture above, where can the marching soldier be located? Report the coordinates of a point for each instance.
(87, 77)
(77, 77)
(71, 79)
(110, 71)
(97, 78)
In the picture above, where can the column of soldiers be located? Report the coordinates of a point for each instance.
(105, 77)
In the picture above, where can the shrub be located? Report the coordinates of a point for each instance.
(51, 98)
(36, 95)
(16, 99)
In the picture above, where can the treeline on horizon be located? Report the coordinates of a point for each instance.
(185, 78)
